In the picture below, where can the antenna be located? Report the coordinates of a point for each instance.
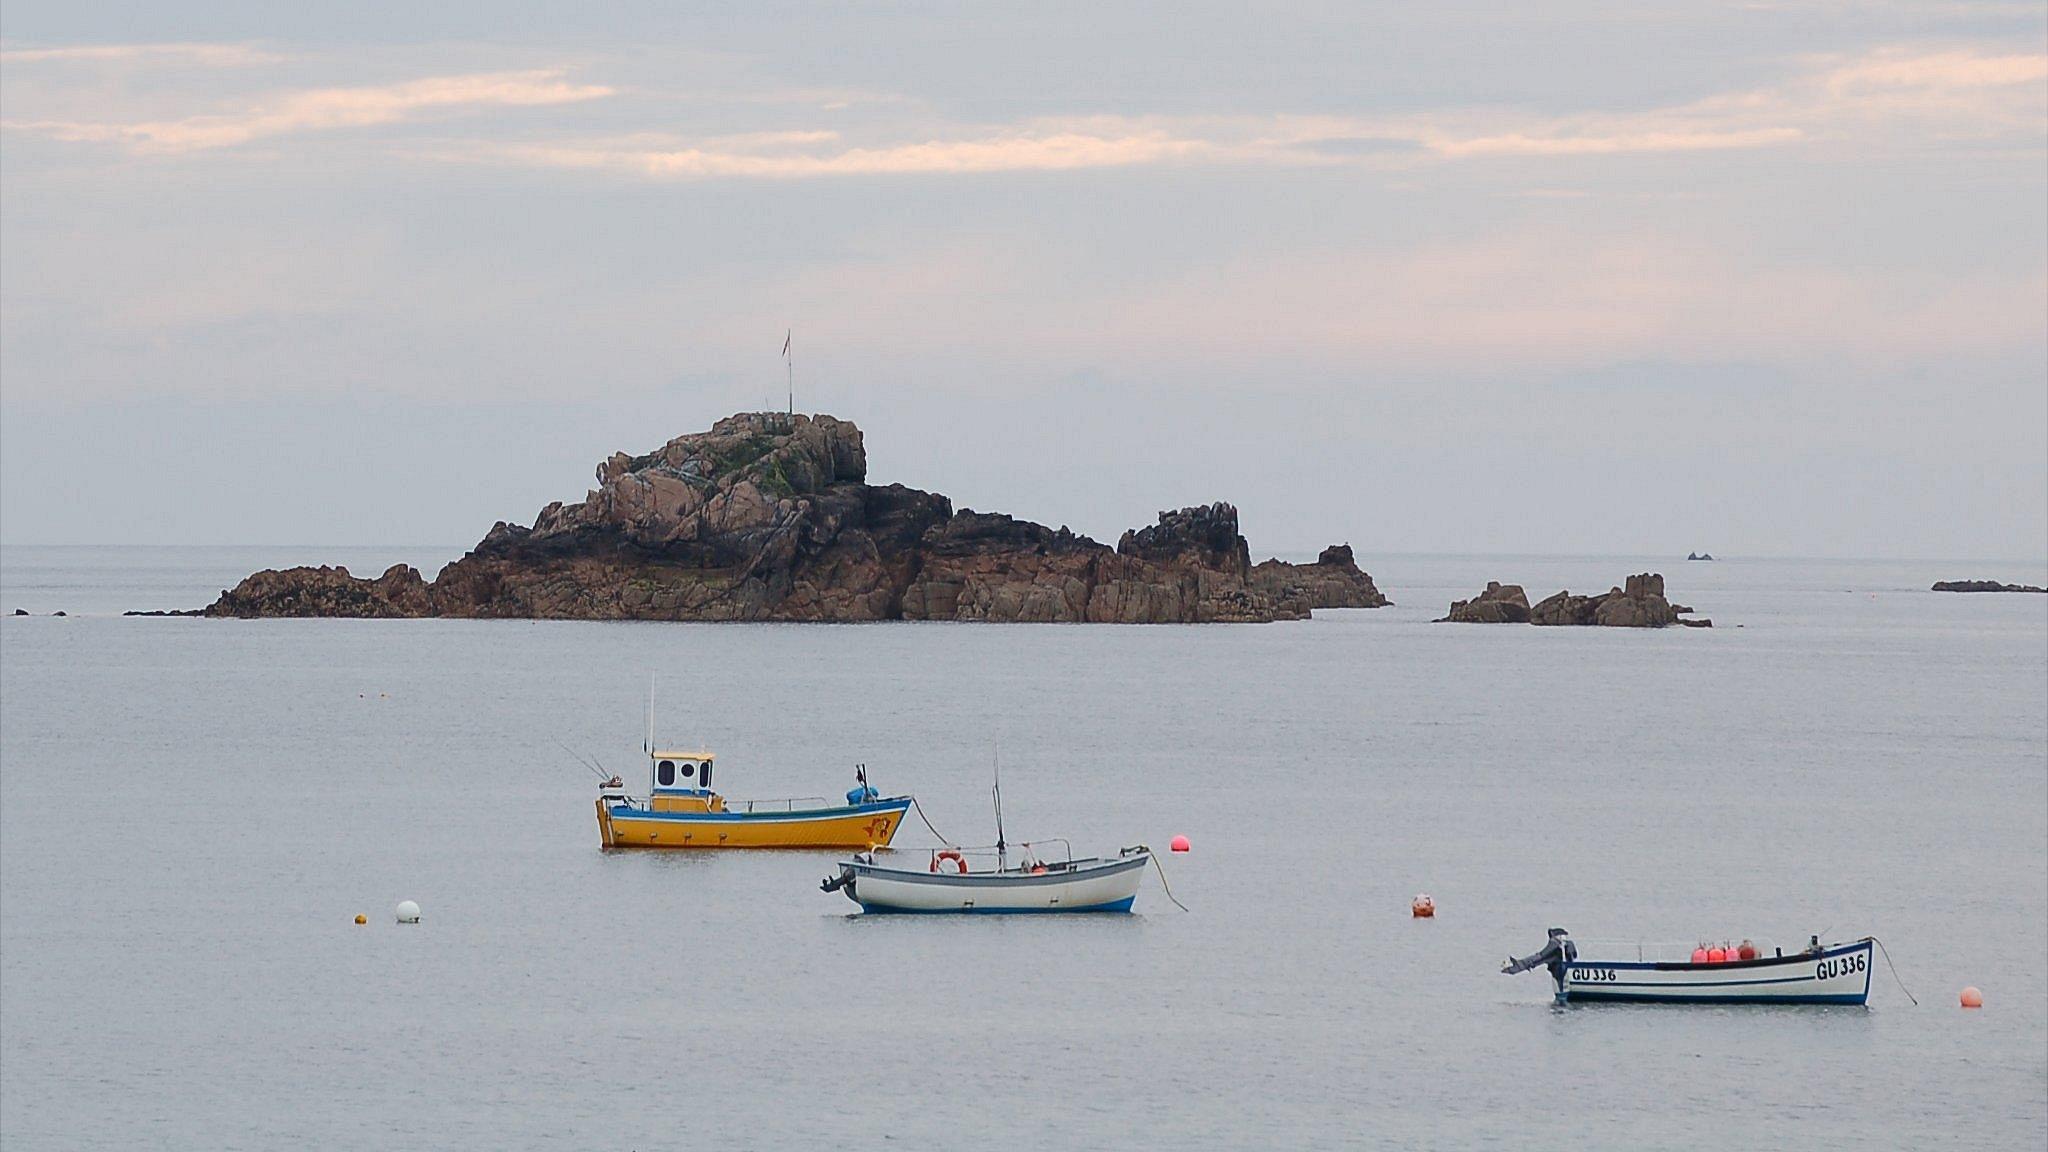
(789, 361)
(649, 746)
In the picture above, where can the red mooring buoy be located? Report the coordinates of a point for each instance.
(1178, 844)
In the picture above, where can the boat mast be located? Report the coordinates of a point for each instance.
(649, 746)
(1002, 859)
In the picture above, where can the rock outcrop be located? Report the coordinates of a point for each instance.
(1639, 603)
(1983, 586)
(1499, 604)
(325, 591)
(1333, 581)
(770, 517)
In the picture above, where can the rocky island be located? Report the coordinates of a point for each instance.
(770, 517)
(1983, 586)
(1639, 603)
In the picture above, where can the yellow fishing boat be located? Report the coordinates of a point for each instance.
(681, 811)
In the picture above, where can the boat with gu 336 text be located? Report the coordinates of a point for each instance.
(1750, 973)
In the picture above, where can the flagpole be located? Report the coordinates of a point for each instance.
(789, 360)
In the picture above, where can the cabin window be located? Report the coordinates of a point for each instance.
(689, 769)
(705, 780)
(665, 773)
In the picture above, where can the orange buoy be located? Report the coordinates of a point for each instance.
(1747, 951)
(1717, 955)
(362, 919)
(1972, 998)
(1423, 907)
(1179, 844)
(1699, 954)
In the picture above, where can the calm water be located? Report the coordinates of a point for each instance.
(192, 812)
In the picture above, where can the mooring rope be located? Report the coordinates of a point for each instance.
(919, 809)
(1161, 869)
(1895, 970)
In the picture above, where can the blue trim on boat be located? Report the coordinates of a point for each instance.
(1576, 985)
(1123, 905)
(1576, 996)
(898, 804)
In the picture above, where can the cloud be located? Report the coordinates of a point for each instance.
(203, 55)
(1886, 99)
(1006, 152)
(1874, 99)
(1519, 144)
(326, 109)
(1953, 70)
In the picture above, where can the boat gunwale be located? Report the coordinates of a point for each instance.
(619, 810)
(1087, 867)
(1863, 945)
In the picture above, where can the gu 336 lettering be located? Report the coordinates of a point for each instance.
(1593, 975)
(1839, 966)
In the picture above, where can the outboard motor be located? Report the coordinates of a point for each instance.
(845, 877)
(1557, 954)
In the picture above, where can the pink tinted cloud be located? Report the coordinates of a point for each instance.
(326, 109)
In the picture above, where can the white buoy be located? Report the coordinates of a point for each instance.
(408, 912)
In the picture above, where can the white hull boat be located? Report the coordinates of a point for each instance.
(1094, 884)
(1837, 974)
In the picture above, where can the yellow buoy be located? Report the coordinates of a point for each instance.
(362, 919)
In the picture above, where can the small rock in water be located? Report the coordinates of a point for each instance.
(1982, 586)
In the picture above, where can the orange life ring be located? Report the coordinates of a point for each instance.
(959, 861)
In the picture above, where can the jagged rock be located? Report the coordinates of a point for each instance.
(1639, 603)
(325, 591)
(1333, 581)
(1499, 604)
(770, 517)
(991, 567)
(1699, 556)
(1983, 586)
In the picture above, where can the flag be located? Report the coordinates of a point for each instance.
(785, 341)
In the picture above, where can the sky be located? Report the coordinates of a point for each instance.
(1754, 278)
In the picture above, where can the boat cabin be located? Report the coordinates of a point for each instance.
(680, 781)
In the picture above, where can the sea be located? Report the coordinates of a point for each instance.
(194, 812)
